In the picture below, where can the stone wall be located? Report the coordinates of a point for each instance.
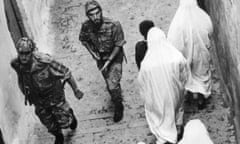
(226, 20)
(11, 109)
(14, 21)
(36, 20)
(16, 120)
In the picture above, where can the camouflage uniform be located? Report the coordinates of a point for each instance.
(42, 86)
(103, 41)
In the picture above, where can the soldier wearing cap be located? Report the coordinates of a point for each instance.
(41, 79)
(104, 39)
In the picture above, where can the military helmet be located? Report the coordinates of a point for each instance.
(25, 44)
(92, 5)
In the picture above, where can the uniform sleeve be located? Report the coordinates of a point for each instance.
(118, 35)
(59, 70)
(83, 36)
(13, 64)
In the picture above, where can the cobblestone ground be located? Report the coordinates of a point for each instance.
(94, 111)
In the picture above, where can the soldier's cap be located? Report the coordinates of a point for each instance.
(92, 5)
(25, 44)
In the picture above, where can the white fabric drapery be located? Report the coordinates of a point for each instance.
(161, 79)
(195, 132)
(189, 32)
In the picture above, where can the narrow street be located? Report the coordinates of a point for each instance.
(94, 111)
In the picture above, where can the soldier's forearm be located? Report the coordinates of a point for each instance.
(93, 54)
(71, 81)
(115, 51)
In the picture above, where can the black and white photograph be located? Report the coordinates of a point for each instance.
(119, 71)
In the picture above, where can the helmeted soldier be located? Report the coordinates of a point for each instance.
(41, 79)
(104, 39)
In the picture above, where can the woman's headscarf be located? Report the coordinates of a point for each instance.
(189, 16)
(159, 49)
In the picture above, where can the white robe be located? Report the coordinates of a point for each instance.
(162, 77)
(189, 32)
(195, 133)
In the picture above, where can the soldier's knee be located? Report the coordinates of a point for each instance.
(113, 85)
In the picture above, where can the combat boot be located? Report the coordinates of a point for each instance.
(74, 123)
(118, 112)
(59, 138)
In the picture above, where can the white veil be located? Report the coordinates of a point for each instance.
(162, 76)
(189, 32)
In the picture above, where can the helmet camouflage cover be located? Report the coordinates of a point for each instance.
(25, 44)
(92, 5)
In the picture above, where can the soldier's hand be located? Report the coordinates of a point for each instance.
(78, 94)
(96, 57)
(105, 65)
(63, 83)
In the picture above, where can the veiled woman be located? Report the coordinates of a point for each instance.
(162, 78)
(190, 32)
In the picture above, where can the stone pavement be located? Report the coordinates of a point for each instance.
(94, 111)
